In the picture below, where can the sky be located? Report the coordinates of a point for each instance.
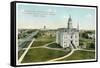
(36, 16)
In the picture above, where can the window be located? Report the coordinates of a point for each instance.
(71, 36)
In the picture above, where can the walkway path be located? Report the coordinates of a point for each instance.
(86, 50)
(46, 46)
(71, 54)
(72, 51)
(21, 42)
(62, 57)
(23, 55)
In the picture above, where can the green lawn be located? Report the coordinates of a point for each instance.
(85, 40)
(88, 42)
(42, 40)
(42, 54)
(80, 55)
(39, 43)
(54, 45)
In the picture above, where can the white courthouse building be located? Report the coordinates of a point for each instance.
(68, 37)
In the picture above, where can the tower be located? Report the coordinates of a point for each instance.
(69, 23)
(77, 26)
(44, 27)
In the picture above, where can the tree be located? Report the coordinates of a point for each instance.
(85, 35)
(92, 45)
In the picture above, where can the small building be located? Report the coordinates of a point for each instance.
(92, 36)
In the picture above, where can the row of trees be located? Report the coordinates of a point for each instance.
(86, 41)
(85, 34)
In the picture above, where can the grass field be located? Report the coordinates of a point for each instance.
(80, 55)
(42, 54)
(54, 45)
(88, 42)
(42, 40)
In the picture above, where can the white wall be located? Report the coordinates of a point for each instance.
(5, 34)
